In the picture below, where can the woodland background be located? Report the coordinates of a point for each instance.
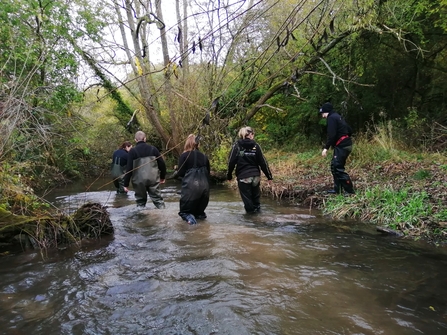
(80, 77)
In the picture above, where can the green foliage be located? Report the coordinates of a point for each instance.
(286, 125)
(308, 155)
(422, 174)
(366, 151)
(122, 111)
(93, 155)
(441, 215)
(219, 159)
(410, 96)
(383, 141)
(397, 209)
(35, 49)
(39, 79)
(17, 195)
(357, 74)
(436, 12)
(414, 129)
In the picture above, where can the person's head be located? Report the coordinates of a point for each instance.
(190, 143)
(246, 132)
(140, 136)
(326, 109)
(126, 146)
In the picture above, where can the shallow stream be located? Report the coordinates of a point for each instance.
(288, 270)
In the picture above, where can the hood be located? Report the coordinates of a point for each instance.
(246, 143)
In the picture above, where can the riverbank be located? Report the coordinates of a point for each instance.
(405, 194)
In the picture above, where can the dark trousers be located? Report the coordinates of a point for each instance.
(250, 191)
(342, 181)
(142, 190)
(119, 184)
(194, 205)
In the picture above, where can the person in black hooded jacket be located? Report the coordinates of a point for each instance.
(338, 137)
(246, 155)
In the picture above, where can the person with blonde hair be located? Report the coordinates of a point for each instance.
(247, 157)
(147, 170)
(119, 164)
(194, 168)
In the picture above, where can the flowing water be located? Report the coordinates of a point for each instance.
(288, 270)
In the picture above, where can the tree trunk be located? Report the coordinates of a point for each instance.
(140, 64)
(172, 144)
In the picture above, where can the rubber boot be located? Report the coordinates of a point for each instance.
(337, 189)
(348, 186)
(191, 219)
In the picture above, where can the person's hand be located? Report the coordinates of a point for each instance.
(269, 181)
(229, 177)
(126, 189)
(324, 153)
(162, 181)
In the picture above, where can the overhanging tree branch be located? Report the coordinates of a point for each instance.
(297, 74)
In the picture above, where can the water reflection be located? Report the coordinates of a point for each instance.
(286, 271)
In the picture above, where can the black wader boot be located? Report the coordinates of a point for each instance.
(342, 181)
(347, 186)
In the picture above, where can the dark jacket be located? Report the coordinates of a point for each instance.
(187, 159)
(337, 128)
(246, 155)
(140, 150)
(120, 157)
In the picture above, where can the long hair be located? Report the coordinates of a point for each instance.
(190, 143)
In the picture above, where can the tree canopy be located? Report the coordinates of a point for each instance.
(170, 66)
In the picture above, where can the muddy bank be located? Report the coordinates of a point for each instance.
(309, 188)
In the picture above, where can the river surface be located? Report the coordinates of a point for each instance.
(288, 270)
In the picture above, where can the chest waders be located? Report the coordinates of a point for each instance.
(117, 173)
(146, 180)
(342, 181)
(195, 193)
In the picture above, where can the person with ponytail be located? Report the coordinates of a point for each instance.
(247, 157)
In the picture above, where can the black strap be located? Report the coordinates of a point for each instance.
(195, 159)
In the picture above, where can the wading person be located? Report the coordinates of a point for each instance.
(147, 170)
(246, 155)
(119, 164)
(194, 168)
(338, 137)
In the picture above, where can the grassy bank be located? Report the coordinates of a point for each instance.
(401, 191)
